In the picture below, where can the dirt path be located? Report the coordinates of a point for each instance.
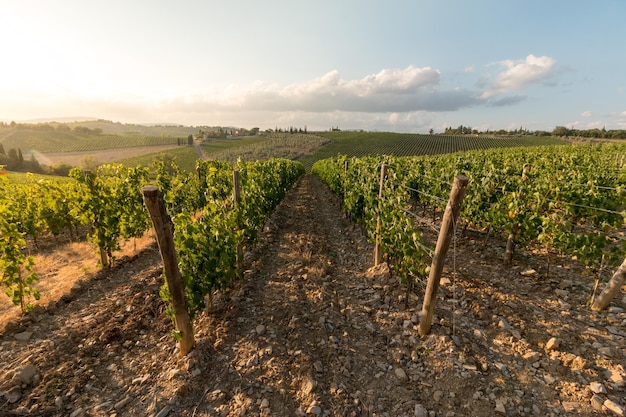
(198, 148)
(106, 156)
(312, 330)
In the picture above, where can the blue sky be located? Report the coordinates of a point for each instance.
(391, 65)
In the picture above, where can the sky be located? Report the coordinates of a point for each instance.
(390, 65)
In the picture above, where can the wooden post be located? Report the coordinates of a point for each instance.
(525, 171)
(450, 215)
(165, 238)
(236, 202)
(611, 289)
(510, 245)
(378, 255)
(236, 187)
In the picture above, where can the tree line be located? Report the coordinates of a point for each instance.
(13, 160)
(589, 133)
(558, 131)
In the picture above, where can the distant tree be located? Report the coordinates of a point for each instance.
(561, 131)
(2, 150)
(431, 131)
(190, 139)
(62, 169)
(13, 155)
(20, 157)
(63, 128)
(33, 165)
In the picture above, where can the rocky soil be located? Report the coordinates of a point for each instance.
(314, 330)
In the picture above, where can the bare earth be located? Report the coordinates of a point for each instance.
(313, 330)
(104, 157)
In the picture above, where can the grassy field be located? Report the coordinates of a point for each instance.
(213, 146)
(185, 157)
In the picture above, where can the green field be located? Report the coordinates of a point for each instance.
(344, 143)
(184, 156)
(99, 135)
(95, 135)
(410, 144)
(213, 146)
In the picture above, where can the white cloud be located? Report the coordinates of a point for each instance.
(587, 113)
(401, 99)
(390, 90)
(519, 74)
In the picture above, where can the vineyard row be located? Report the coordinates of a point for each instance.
(567, 199)
(208, 226)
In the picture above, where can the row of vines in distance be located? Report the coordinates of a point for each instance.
(569, 199)
(413, 144)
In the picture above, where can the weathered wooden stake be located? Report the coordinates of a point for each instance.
(510, 245)
(611, 289)
(165, 238)
(525, 171)
(378, 254)
(236, 201)
(450, 215)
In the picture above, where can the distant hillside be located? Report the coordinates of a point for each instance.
(87, 136)
(117, 128)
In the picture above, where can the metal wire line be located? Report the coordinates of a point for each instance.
(587, 207)
(573, 204)
(601, 187)
(434, 197)
(420, 219)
